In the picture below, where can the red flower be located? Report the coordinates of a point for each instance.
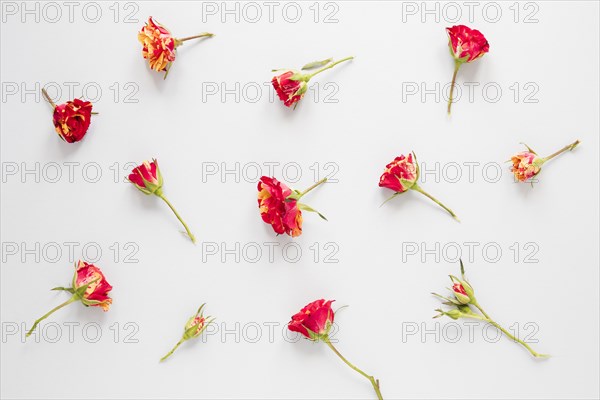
(96, 293)
(148, 180)
(271, 202)
(72, 119)
(313, 321)
(399, 175)
(280, 207)
(89, 286)
(466, 44)
(147, 177)
(290, 87)
(292, 219)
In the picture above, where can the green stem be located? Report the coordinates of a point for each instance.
(204, 34)
(374, 382)
(172, 350)
(37, 321)
(457, 65)
(162, 196)
(325, 68)
(569, 147)
(48, 99)
(507, 333)
(420, 190)
(311, 188)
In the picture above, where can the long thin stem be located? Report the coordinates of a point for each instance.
(312, 187)
(37, 321)
(374, 382)
(420, 190)
(48, 99)
(204, 34)
(507, 333)
(329, 66)
(569, 147)
(456, 68)
(172, 350)
(190, 234)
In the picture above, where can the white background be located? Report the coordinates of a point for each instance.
(387, 288)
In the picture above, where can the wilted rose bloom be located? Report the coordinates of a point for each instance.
(147, 177)
(158, 45)
(466, 44)
(314, 320)
(400, 175)
(290, 91)
(96, 294)
(525, 166)
(72, 119)
(271, 202)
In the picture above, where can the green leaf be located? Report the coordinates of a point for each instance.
(70, 290)
(317, 64)
(310, 209)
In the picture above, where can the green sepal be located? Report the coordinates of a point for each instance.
(317, 64)
(449, 300)
(296, 194)
(308, 208)
(297, 76)
(391, 197)
(529, 149)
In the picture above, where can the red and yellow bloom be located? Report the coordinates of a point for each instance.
(279, 206)
(290, 89)
(401, 175)
(291, 85)
(88, 286)
(71, 119)
(527, 164)
(159, 46)
(96, 286)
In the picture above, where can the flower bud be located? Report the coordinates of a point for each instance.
(196, 325)
(147, 177)
(459, 291)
